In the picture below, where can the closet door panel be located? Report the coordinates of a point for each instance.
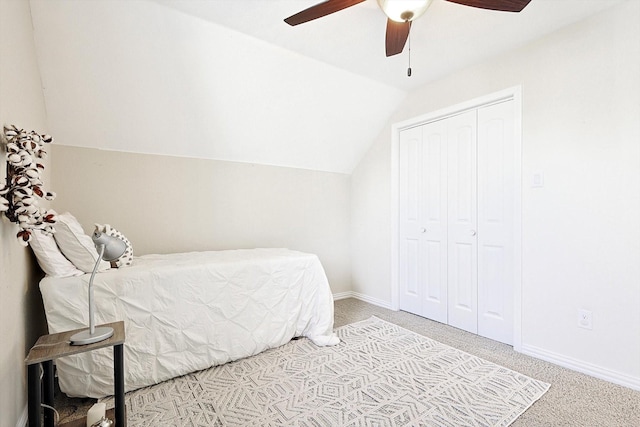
(462, 280)
(496, 180)
(434, 224)
(462, 222)
(435, 292)
(410, 256)
(423, 221)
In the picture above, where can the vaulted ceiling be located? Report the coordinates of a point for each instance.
(229, 80)
(447, 38)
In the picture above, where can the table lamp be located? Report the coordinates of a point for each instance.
(109, 249)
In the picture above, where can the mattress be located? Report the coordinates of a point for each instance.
(190, 311)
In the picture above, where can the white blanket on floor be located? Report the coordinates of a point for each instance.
(189, 311)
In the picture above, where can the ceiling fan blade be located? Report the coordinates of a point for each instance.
(397, 34)
(319, 10)
(502, 5)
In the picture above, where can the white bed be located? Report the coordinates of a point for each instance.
(186, 312)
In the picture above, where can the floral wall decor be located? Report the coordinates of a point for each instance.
(23, 187)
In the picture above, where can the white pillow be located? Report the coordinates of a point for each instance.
(49, 257)
(75, 245)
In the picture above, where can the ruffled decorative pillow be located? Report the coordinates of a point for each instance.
(127, 258)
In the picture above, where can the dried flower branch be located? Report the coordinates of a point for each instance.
(19, 195)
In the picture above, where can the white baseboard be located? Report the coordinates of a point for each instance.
(362, 297)
(582, 366)
(22, 421)
(342, 295)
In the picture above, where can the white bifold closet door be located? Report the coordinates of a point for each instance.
(456, 221)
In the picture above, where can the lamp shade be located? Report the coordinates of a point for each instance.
(113, 247)
(404, 10)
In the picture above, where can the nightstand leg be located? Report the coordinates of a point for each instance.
(118, 373)
(47, 398)
(34, 394)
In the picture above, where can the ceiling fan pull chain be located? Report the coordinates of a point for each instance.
(409, 45)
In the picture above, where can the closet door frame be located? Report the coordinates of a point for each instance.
(514, 94)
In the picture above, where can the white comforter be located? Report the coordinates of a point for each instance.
(186, 312)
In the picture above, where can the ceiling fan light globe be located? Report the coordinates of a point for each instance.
(404, 10)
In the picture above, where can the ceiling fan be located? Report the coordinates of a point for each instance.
(400, 14)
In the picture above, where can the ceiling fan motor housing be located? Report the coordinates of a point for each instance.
(404, 10)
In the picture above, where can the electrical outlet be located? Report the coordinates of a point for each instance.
(585, 319)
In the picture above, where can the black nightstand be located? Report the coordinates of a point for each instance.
(50, 347)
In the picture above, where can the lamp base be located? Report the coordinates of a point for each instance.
(85, 337)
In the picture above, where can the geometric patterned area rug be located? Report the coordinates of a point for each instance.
(379, 375)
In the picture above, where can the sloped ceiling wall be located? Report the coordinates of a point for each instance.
(448, 38)
(140, 77)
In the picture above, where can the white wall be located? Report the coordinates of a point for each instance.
(141, 77)
(191, 114)
(175, 204)
(21, 315)
(581, 234)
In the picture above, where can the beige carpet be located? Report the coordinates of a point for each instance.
(574, 400)
(379, 375)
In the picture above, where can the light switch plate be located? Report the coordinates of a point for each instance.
(537, 179)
